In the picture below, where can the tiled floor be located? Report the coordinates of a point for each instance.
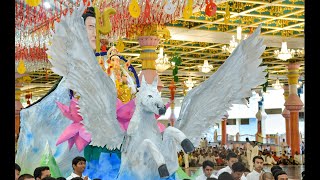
(293, 171)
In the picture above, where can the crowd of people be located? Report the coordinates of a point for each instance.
(246, 161)
(43, 172)
(245, 153)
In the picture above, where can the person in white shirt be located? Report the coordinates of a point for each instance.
(249, 148)
(258, 168)
(255, 152)
(270, 160)
(207, 169)
(298, 158)
(231, 159)
(78, 166)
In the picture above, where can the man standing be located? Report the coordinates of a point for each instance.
(78, 166)
(254, 153)
(207, 169)
(238, 170)
(41, 172)
(258, 167)
(231, 159)
(248, 151)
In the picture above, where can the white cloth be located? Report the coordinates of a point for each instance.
(75, 175)
(203, 177)
(229, 170)
(254, 175)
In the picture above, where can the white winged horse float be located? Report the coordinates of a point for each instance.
(145, 152)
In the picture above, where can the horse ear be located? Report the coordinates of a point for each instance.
(155, 82)
(143, 81)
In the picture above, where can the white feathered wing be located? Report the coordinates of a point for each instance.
(73, 58)
(230, 84)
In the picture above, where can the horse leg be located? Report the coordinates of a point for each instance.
(171, 132)
(157, 156)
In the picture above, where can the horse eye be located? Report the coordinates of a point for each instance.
(149, 96)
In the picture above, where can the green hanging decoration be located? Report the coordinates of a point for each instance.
(176, 60)
(47, 159)
(265, 85)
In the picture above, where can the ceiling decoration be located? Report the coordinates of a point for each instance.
(197, 39)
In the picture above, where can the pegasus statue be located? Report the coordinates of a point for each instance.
(145, 152)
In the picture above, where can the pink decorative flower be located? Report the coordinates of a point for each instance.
(75, 133)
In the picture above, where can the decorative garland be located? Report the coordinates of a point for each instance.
(176, 59)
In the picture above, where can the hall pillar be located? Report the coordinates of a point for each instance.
(286, 115)
(224, 130)
(294, 105)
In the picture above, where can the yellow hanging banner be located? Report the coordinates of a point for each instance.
(21, 67)
(134, 8)
(33, 2)
(187, 11)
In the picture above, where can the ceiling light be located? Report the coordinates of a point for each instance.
(233, 42)
(47, 5)
(285, 53)
(205, 68)
(277, 85)
(162, 63)
(189, 83)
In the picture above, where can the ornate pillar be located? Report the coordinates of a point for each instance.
(148, 56)
(148, 41)
(294, 105)
(224, 130)
(286, 115)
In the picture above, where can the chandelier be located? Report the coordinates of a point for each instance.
(162, 63)
(300, 52)
(205, 68)
(285, 53)
(233, 42)
(189, 83)
(277, 85)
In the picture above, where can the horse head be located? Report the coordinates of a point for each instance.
(149, 97)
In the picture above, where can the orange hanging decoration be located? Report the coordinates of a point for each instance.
(211, 8)
(172, 88)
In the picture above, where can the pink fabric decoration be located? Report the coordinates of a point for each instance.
(75, 133)
(125, 112)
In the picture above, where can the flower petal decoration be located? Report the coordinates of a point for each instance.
(75, 133)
